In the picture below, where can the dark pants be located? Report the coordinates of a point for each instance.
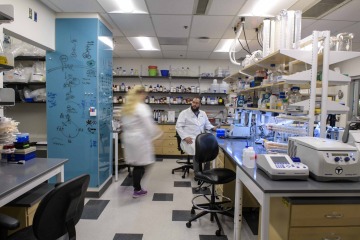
(138, 172)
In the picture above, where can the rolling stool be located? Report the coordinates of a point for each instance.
(186, 165)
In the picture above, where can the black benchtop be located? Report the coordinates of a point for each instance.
(233, 149)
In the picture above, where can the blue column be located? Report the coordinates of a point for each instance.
(79, 83)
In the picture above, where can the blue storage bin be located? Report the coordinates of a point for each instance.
(220, 133)
(22, 137)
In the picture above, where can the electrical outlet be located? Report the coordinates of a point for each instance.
(30, 13)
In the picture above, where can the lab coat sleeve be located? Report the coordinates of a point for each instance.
(180, 124)
(208, 125)
(153, 129)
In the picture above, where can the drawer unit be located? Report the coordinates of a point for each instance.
(314, 218)
(324, 233)
(167, 144)
(168, 128)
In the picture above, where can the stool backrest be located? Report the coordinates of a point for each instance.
(206, 148)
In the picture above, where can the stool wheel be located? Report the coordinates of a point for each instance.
(218, 232)
(188, 224)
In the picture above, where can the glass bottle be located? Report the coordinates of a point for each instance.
(295, 95)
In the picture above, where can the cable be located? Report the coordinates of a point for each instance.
(257, 36)
(232, 49)
(243, 26)
(243, 47)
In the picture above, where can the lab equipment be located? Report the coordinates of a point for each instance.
(282, 167)
(243, 129)
(328, 160)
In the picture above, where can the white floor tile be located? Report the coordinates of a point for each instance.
(123, 214)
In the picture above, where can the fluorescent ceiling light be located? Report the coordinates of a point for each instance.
(224, 45)
(145, 43)
(107, 41)
(124, 6)
(265, 8)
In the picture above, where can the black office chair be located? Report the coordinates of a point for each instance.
(206, 150)
(186, 165)
(57, 214)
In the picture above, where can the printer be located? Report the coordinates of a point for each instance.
(327, 159)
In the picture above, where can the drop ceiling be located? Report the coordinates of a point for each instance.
(174, 23)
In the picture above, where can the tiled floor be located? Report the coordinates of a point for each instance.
(161, 215)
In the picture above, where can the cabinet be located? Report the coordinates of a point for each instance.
(228, 190)
(24, 207)
(314, 218)
(167, 144)
(297, 61)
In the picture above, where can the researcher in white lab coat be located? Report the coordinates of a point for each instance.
(190, 123)
(139, 131)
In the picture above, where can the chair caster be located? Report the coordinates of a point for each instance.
(218, 232)
(188, 224)
(172, 171)
(192, 211)
(183, 176)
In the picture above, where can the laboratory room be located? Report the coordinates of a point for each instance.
(181, 120)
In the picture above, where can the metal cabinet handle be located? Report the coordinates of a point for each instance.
(334, 215)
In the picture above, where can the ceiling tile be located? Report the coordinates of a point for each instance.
(171, 25)
(114, 29)
(134, 25)
(307, 22)
(73, 6)
(210, 26)
(219, 55)
(230, 8)
(323, 25)
(174, 54)
(201, 45)
(356, 46)
(348, 12)
(198, 55)
(355, 29)
(170, 6)
(127, 54)
(139, 6)
(173, 47)
(150, 54)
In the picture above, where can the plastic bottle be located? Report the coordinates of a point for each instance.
(273, 100)
(131, 72)
(214, 87)
(203, 100)
(122, 87)
(249, 157)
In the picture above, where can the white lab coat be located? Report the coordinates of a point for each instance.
(139, 131)
(188, 125)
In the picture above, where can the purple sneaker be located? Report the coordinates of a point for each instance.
(139, 193)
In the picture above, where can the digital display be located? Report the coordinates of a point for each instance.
(279, 160)
(340, 154)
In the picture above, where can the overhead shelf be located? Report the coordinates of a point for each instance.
(4, 67)
(30, 58)
(282, 56)
(264, 110)
(332, 107)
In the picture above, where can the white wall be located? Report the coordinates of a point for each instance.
(40, 33)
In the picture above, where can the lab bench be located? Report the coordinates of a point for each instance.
(270, 194)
